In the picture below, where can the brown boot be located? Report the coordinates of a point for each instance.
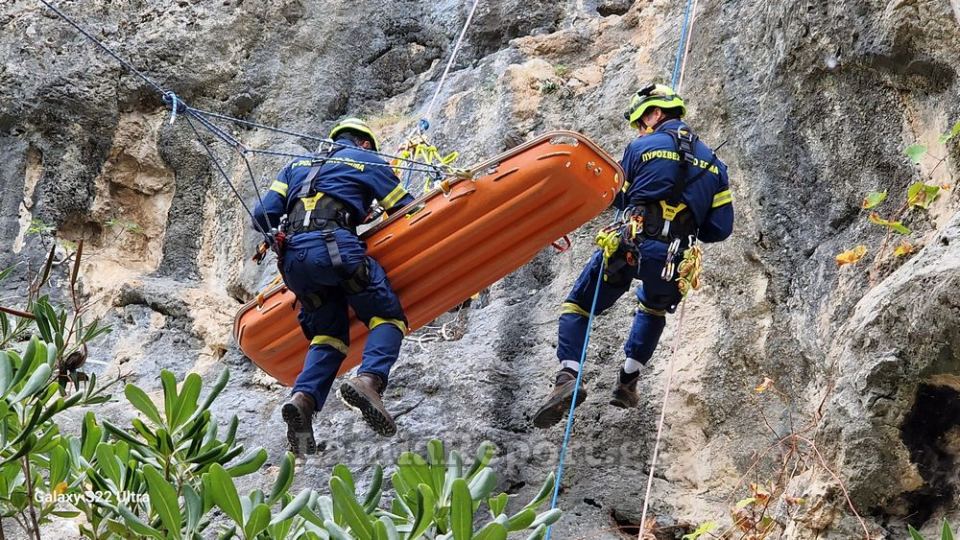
(298, 413)
(363, 394)
(558, 402)
(625, 395)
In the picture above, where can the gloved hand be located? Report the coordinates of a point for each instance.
(608, 239)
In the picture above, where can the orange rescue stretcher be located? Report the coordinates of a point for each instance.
(470, 233)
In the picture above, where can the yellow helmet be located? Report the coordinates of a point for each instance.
(357, 126)
(655, 95)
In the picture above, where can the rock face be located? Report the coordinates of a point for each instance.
(816, 100)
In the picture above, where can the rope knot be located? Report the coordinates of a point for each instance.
(176, 105)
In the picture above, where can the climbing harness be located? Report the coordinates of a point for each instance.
(621, 251)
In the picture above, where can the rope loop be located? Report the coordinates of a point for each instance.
(175, 103)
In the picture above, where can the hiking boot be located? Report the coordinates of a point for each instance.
(363, 394)
(558, 402)
(298, 412)
(625, 395)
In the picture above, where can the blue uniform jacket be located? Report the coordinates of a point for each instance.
(351, 175)
(652, 165)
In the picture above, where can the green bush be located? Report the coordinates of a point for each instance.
(171, 473)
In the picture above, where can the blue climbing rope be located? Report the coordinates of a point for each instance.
(683, 44)
(576, 390)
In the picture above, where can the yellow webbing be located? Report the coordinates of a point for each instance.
(670, 212)
(722, 198)
(330, 341)
(377, 321)
(279, 187)
(650, 310)
(570, 307)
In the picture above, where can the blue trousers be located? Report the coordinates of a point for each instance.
(324, 319)
(656, 297)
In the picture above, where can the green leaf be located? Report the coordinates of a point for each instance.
(35, 383)
(390, 528)
(6, 372)
(225, 493)
(375, 492)
(325, 506)
(187, 401)
(521, 520)
(437, 460)
(293, 507)
(399, 484)
(482, 484)
(136, 524)
(485, 454)
(914, 534)
(547, 518)
(873, 199)
(414, 469)
(26, 363)
(946, 533)
(461, 510)
(704, 529)
(345, 502)
(341, 471)
(546, 490)
(498, 504)
(743, 503)
(59, 465)
(380, 530)
(916, 152)
(492, 531)
(169, 384)
(163, 500)
(258, 521)
(922, 195)
(142, 402)
(107, 462)
(454, 471)
(425, 510)
(954, 131)
(248, 464)
(193, 504)
(895, 226)
(284, 478)
(336, 533)
(217, 388)
(539, 533)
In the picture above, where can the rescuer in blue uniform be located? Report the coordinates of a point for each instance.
(325, 264)
(680, 188)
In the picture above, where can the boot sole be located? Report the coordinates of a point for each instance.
(553, 411)
(353, 399)
(299, 430)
